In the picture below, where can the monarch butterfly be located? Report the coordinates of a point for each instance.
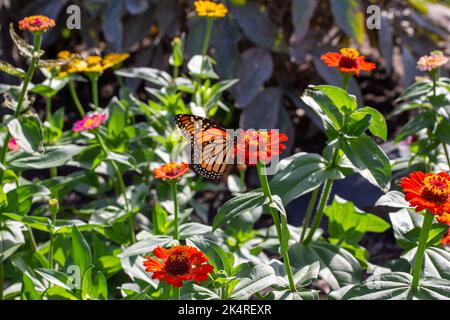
(212, 148)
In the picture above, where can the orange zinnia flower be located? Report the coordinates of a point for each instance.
(348, 61)
(36, 23)
(445, 219)
(171, 171)
(180, 263)
(428, 191)
(253, 146)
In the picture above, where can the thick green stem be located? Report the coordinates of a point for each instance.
(176, 293)
(120, 185)
(309, 211)
(345, 81)
(423, 239)
(173, 186)
(279, 223)
(320, 209)
(76, 100)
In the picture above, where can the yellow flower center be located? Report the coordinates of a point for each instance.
(350, 53)
(436, 189)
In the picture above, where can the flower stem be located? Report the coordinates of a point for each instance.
(76, 100)
(323, 200)
(423, 239)
(53, 212)
(262, 174)
(176, 293)
(320, 209)
(206, 39)
(173, 186)
(37, 42)
(94, 89)
(308, 214)
(120, 185)
(345, 81)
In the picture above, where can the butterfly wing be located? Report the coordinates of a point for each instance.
(211, 146)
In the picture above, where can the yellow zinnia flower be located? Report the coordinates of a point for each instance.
(90, 64)
(206, 8)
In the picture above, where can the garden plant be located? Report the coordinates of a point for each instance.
(124, 181)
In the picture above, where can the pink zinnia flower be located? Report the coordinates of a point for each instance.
(13, 145)
(432, 62)
(89, 122)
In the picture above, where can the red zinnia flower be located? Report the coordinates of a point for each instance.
(36, 23)
(348, 61)
(171, 171)
(13, 145)
(253, 146)
(89, 122)
(428, 191)
(180, 263)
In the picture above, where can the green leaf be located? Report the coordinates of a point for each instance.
(421, 121)
(53, 157)
(403, 221)
(377, 126)
(159, 220)
(443, 131)
(337, 266)
(393, 199)
(27, 131)
(50, 87)
(19, 199)
(28, 291)
(57, 278)
(218, 257)
(155, 76)
(349, 18)
(191, 229)
(202, 67)
(417, 90)
(324, 107)
(261, 277)
(238, 205)
(349, 223)
(435, 264)
(81, 252)
(11, 70)
(397, 286)
(11, 238)
(369, 159)
(145, 246)
(341, 99)
(117, 119)
(358, 127)
(299, 175)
